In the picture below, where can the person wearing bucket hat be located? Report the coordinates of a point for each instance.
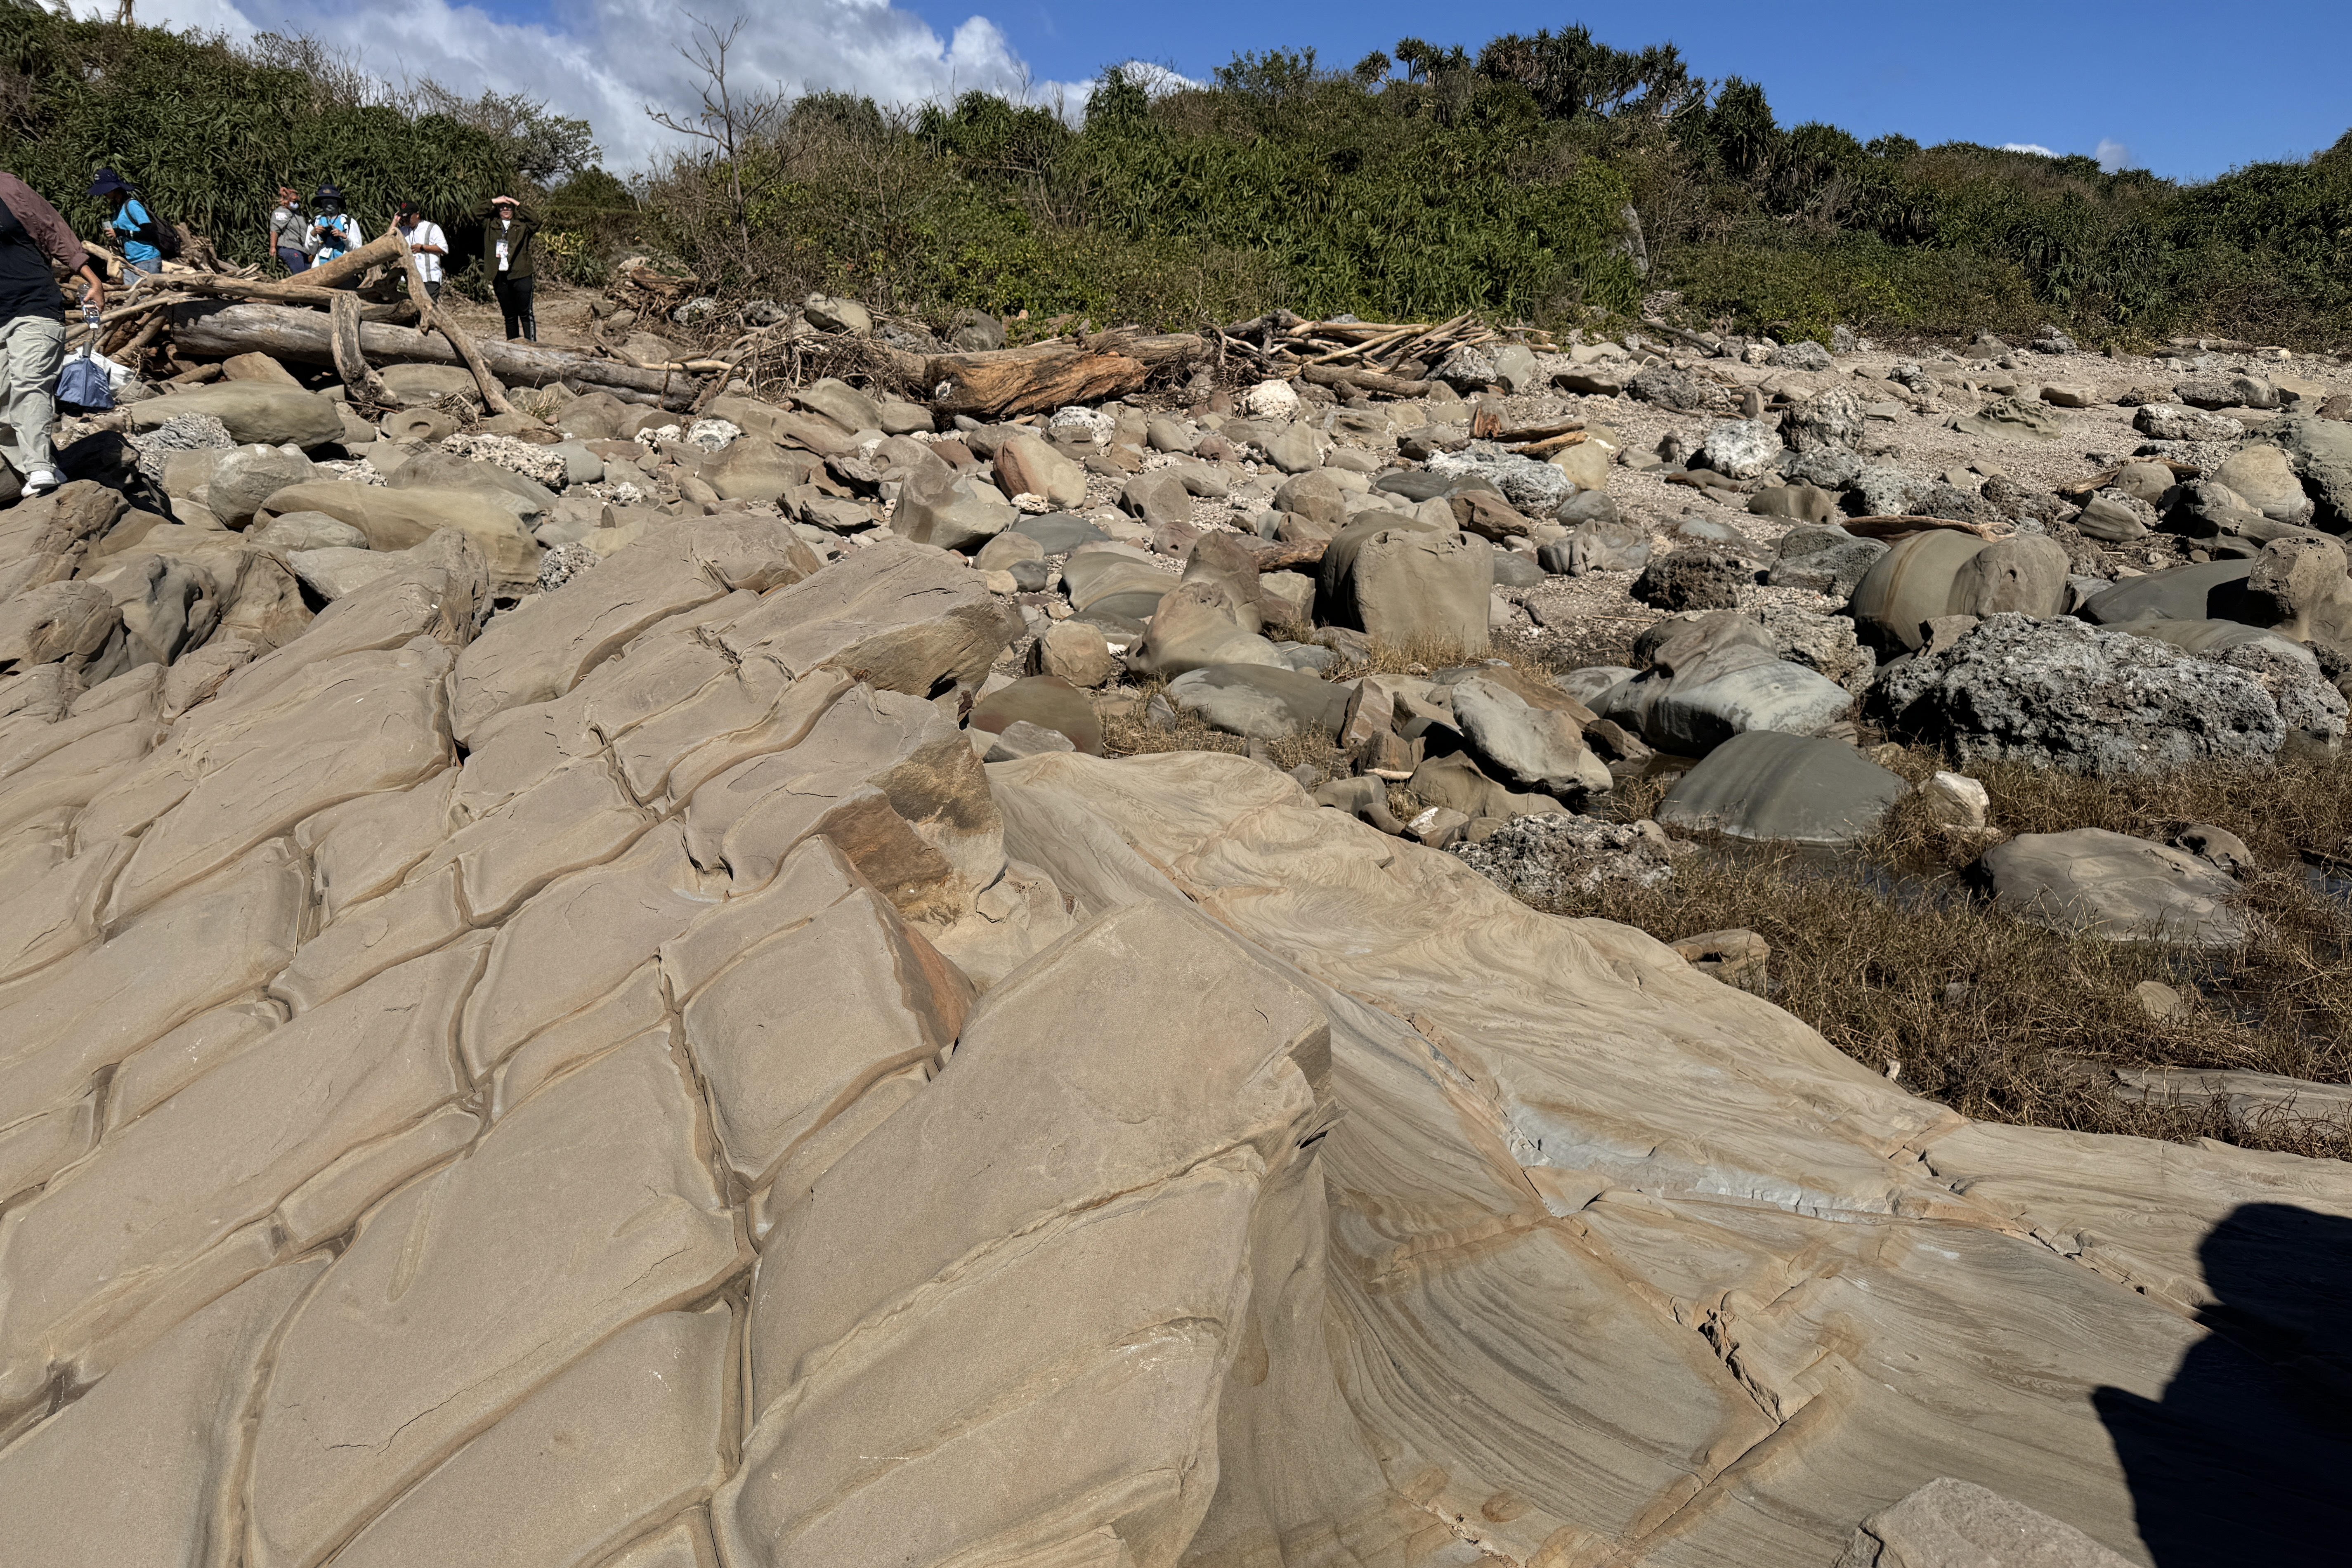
(36, 244)
(507, 234)
(131, 221)
(331, 228)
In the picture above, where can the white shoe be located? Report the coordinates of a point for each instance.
(41, 481)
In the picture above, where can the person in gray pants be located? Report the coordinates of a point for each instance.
(35, 246)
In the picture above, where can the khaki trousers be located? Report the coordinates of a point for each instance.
(32, 349)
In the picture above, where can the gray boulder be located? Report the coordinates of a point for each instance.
(1803, 355)
(1796, 503)
(1260, 702)
(1945, 571)
(1694, 579)
(2012, 419)
(1515, 366)
(829, 315)
(2115, 517)
(2321, 451)
(841, 403)
(938, 506)
(1714, 677)
(254, 412)
(1824, 466)
(1826, 560)
(2210, 590)
(1742, 449)
(1295, 450)
(1614, 545)
(2263, 476)
(1059, 532)
(248, 476)
(1765, 785)
(1400, 582)
(1047, 702)
(2172, 422)
(1157, 498)
(1529, 745)
(1828, 421)
(1958, 1524)
(1536, 489)
(424, 384)
(1672, 388)
(2097, 883)
(2064, 694)
(2234, 390)
(977, 331)
(1465, 369)
(1202, 622)
(1111, 581)
(306, 531)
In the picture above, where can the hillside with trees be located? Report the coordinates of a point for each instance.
(1542, 178)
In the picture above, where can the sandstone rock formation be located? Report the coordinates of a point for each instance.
(604, 1069)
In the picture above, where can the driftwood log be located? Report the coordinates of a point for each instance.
(307, 337)
(351, 361)
(996, 384)
(430, 312)
(353, 265)
(277, 291)
(1005, 382)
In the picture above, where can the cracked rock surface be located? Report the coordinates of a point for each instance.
(622, 1082)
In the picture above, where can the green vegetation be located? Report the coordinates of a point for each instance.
(1413, 185)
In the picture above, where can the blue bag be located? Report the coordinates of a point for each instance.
(83, 386)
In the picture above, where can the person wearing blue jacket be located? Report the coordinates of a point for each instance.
(332, 228)
(133, 225)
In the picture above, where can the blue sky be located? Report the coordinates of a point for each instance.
(2191, 88)
(2187, 90)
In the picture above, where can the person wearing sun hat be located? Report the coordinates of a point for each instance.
(507, 234)
(131, 221)
(332, 231)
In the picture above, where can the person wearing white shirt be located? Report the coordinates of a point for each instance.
(425, 238)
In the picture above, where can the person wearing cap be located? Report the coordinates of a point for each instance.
(507, 237)
(133, 222)
(36, 244)
(332, 233)
(425, 238)
(290, 231)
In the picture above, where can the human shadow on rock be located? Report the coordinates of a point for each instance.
(2248, 1456)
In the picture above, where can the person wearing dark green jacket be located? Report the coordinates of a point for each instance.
(508, 229)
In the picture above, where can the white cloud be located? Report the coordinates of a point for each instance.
(610, 58)
(2112, 154)
(2027, 147)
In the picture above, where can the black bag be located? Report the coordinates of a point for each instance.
(164, 236)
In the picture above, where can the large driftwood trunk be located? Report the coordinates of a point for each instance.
(307, 336)
(992, 385)
(1005, 382)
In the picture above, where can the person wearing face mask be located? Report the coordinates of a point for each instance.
(508, 231)
(290, 231)
(332, 231)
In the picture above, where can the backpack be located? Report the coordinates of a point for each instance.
(164, 236)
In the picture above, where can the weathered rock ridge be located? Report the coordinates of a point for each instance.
(632, 1088)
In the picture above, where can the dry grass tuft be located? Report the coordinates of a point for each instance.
(1888, 955)
(1999, 1019)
